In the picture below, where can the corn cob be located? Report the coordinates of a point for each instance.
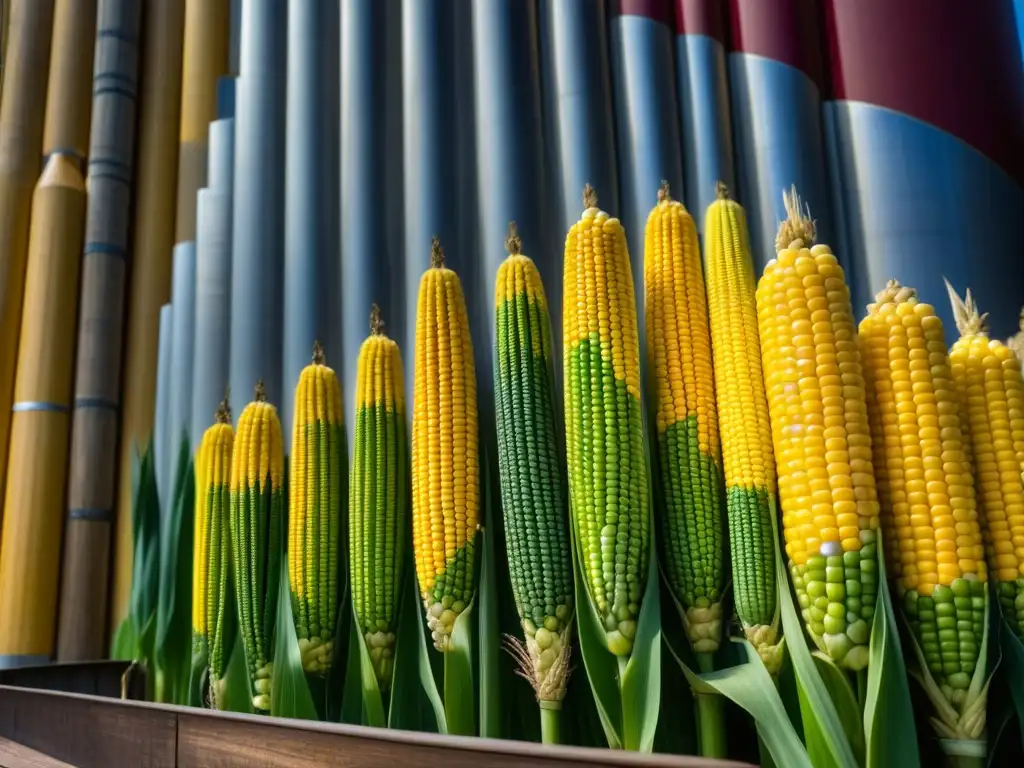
(257, 514)
(604, 425)
(987, 376)
(378, 506)
(816, 400)
(743, 418)
(445, 470)
(317, 497)
(532, 488)
(213, 614)
(688, 450)
(1016, 342)
(928, 493)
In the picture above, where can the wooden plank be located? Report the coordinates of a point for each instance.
(14, 755)
(96, 732)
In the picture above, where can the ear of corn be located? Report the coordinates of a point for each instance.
(928, 491)
(317, 495)
(445, 469)
(378, 507)
(532, 489)
(213, 615)
(988, 380)
(603, 420)
(816, 400)
(257, 516)
(747, 454)
(688, 451)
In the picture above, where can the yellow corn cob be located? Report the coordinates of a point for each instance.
(988, 380)
(445, 470)
(688, 450)
(213, 607)
(927, 496)
(816, 399)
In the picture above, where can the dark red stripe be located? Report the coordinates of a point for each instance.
(950, 63)
(788, 31)
(658, 10)
(701, 17)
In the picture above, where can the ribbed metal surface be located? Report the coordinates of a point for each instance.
(258, 215)
(211, 357)
(311, 188)
(152, 240)
(82, 619)
(26, 64)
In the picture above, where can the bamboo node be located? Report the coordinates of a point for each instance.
(513, 243)
(589, 196)
(436, 253)
(376, 320)
(260, 395)
(318, 353)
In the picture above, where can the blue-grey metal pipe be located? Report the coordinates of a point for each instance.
(647, 122)
(330, 153)
(578, 92)
(371, 227)
(163, 393)
(703, 83)
(235, 46)
(179, 400)
(257, 262)
(308, 215)
(211, 355)
(510, 151)
(225, 99)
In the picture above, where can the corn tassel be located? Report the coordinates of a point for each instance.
(747, 452)
(378, 507)
(688, 449)
(1016, 342)
(988, 380)
(317, 498)
(445, 468)
(604, 426)
(257, 515)
(214, 622)
(816, 400)
(532, 486)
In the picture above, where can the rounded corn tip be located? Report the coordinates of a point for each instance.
(589, 196)
(513, 244)
(376, 320)
(436, 253)
(663, 192)
(260, 395)
(318, 353)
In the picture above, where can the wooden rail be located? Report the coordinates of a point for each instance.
(101, 732)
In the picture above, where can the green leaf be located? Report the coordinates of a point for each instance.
(1013, 655)
(339, 677)
(488, 633)
(125, 645)
(410, 707)
(235, 693)
(601, 665)
(845, 701)
(373, 703)
(459, 687)
(198, 666)
(751, 687)
(145, 592)
(290, 694)
(819, 715)
(641, 680)
(174, 619)
(352, 699)
(889, 728)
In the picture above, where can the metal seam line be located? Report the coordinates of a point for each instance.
(100, 403)
(27, 406)
(110, 249)
(91, 514)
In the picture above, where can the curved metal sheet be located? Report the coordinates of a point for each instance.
(183, 299)
(921, 205)
(779, 142)
(258, 212)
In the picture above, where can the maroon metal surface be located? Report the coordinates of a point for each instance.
(658, 10)
(701, 17)
(788, 31)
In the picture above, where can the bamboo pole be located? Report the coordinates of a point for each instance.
(26, 68)
(204, 60)
(159, 108)
(82, 619)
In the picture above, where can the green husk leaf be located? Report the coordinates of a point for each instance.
(459, 687)
(488, 632)
(889, 728)
(641, 681)
(343, 675)
(373, 702)
(352, 687)
(174, 612)
(199, 664)
(824, 735)
(751, 687)
(236, 693)
(125, 645)
(145, 592)
(290, 694)
(1013, 653)
(414, 705)
(845, 700)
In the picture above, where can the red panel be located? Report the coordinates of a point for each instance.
(658, 10)
(785, 30)
(701, 17)
(950, 63)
